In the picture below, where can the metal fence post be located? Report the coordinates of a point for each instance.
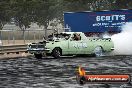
(24, 36)
(8, 37)
(28, 35)
(1, 37)
(34, 35)
(39, 34)
(13, 37)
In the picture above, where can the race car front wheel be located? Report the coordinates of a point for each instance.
(56, 53)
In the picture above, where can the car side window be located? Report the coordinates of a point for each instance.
(76, 37)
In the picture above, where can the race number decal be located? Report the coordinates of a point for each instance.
(80, 45)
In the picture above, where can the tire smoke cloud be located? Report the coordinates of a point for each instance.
(123, 41)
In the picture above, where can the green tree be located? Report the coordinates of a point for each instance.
(42, 11)
(4, 13)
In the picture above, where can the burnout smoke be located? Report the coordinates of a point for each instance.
(123, 41)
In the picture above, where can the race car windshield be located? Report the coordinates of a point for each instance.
(59, 36)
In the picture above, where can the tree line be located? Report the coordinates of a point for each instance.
(23, 12)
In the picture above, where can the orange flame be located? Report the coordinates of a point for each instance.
(81, 71)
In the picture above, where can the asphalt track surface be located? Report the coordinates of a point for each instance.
(60, 73)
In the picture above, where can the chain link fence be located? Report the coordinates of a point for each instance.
(17, 37)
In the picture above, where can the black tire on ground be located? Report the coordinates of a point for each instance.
(56, 53)
(38, 56)
(81, 80)
(98, 51)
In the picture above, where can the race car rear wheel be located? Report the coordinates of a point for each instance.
(98, 51)
(56, 53)
(38, 56)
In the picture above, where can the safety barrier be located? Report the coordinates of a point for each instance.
(16, 49)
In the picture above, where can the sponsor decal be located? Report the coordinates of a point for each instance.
(80, 45)
(83, 78)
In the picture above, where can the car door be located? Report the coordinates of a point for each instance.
(72, 47)
(82, 47)
(75, 45)
(64, 47)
